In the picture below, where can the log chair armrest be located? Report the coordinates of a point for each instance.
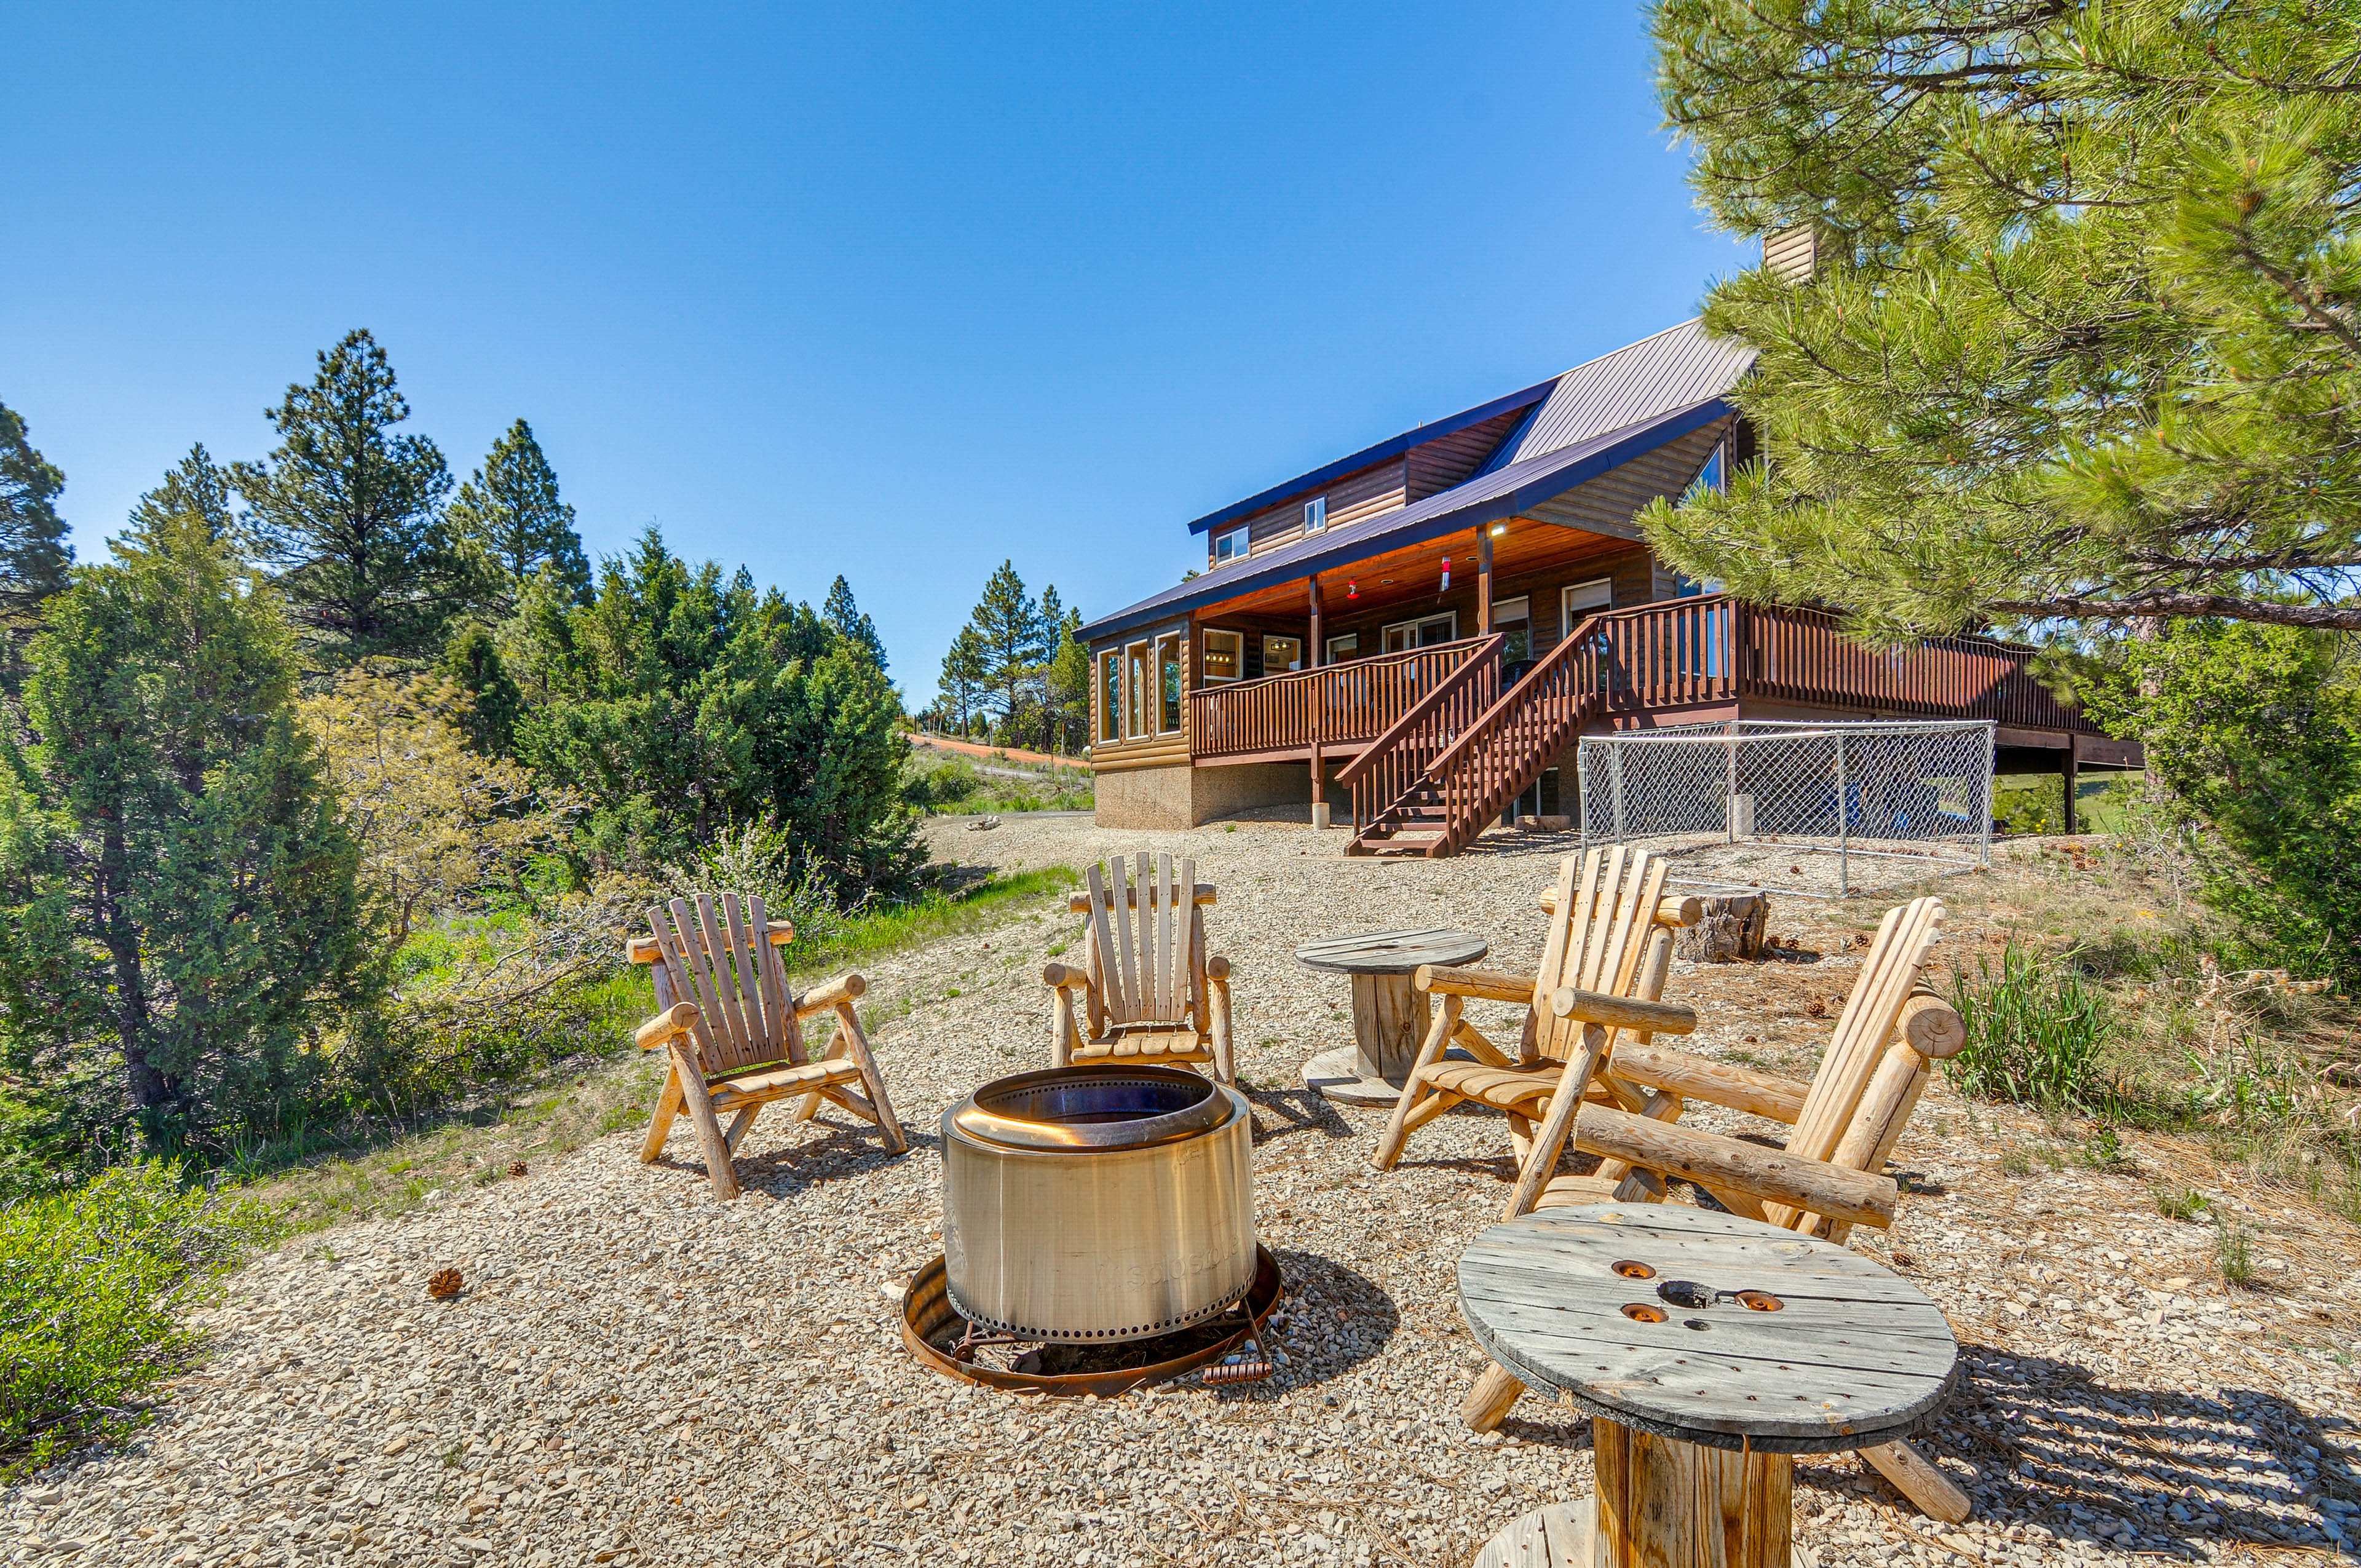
(677, 1019)
(1931, 1026)
(1717, 1163)
(1064, 977)
(829, 992)
(1623, 1011)
(1217, 968)
(1690, 1076)
(1492, 984)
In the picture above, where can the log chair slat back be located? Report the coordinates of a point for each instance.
(1606, 909)
(746, 1014)
(1147, 940)
(1889, 974)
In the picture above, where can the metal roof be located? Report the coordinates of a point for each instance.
(1675, 369)
(1369, 455)
(1503, 492)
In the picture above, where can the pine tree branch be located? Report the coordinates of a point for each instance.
(2158, 605)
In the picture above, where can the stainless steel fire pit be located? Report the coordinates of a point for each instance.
(1095, 1203)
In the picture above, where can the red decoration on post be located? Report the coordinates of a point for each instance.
(1352, 589)
(1446, 572)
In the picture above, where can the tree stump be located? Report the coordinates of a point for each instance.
(1731, 932)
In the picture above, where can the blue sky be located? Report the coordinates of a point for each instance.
(890, 291)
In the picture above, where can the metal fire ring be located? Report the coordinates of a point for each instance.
(1024, 1108)
(927, 1308)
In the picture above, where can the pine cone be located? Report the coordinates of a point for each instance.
(517, 1169)
(1816, 1008)
(445, 1284)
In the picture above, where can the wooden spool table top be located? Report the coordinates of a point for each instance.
(1853, 1356)
(1392, 952)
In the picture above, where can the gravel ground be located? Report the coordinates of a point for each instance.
(638, 1375)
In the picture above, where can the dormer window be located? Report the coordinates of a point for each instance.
(1230, 546)
(1315, 514)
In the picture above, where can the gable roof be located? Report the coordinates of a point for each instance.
(1503, 492)
(1373, 454)
(1598, 416)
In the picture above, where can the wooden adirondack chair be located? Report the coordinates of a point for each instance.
(735, 1031)
(1846, 1123)
(1151, 994)
(1602, 969)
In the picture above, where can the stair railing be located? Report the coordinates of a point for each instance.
(1391, 764)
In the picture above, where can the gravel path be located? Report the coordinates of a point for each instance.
(638, 1375)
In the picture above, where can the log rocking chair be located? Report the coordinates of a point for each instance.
(1151, 994)
(1828, 1178)
(734, 1031)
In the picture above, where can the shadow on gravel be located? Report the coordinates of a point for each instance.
(2047, 1438)
(1337, 1318)
(1294, 1111)
(821, 1150)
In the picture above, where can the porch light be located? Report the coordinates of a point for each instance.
(1498, 529)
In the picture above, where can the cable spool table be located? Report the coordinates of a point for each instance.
(1707, 1349)
(1390, 1013)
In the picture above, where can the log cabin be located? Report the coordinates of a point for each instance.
(1427, 626)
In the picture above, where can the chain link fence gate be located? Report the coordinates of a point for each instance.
(1824, 810)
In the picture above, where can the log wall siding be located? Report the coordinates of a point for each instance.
(1452, 459)
(1608, 503)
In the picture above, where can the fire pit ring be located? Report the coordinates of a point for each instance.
(932, 1328)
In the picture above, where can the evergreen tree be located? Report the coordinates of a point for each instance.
(1068, 685)
(179, 887)
(346, 509)
(844, 617)
(2085, 337)
(509, 513)
(680, 705)
(473, 664)
(963, 683)
(1009, 640)
(34, 555)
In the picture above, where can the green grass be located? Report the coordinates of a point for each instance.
(2233, 1249)
(2178, 1202)
(891, 929)
(2038, 1033)
(93, 1286)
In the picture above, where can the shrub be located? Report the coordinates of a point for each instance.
(2036, 1032)
(93, 1283)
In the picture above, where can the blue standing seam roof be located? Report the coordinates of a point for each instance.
(1486, 497)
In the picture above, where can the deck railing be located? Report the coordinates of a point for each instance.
(1346, 704)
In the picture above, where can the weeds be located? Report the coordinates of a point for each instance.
(2176, 1203)
(2233, 1249)
(2038, 1033)
(92, 1285)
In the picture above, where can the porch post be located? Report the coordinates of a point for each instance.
(1316, 697)
(1483, 580)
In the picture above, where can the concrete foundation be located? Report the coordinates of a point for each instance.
(1183, 796)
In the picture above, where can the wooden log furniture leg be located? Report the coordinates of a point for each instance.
(1663, 1501)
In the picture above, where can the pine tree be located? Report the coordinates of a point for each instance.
(347, 510)
(962, 681)
(1067, 680)
(34, 555)
(177, 880)
(845, 619)
(509, 513)
(1008, 638)
(2085, 336)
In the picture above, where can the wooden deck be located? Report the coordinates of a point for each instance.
(1675, 658)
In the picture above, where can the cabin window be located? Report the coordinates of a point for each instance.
(1576, 601)
(1315, 514)
(1281, 653)
(1424, 633)
(1714, 476)
(1137, 685)
(1513, 620)
(1225, 655)
(1111, 695)
(1167, 677)
(1230, 546)
(1342, 646)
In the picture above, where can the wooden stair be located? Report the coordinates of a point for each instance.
(1442, 774)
